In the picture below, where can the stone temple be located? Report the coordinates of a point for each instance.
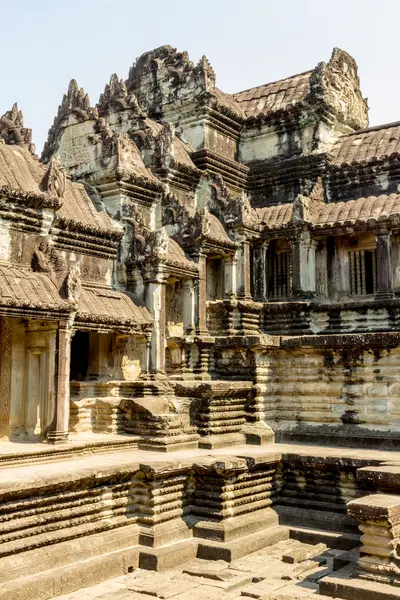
(200, 340)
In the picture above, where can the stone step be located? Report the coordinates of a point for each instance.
(342, 541)
(229, 551)
(71, 577)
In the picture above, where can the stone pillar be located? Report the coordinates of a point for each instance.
(59, 429)
(244, 271)
(378, 517)
(6, 378)
(155, 301)
(160, 502)
(384, 274)
(258, 408)
(189, 306)
(303, 265)
(230, 276)
(221, 484)
(201, 305)
(148, 354)
(260, 272)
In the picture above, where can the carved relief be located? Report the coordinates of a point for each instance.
(73, 284)
(47, 259)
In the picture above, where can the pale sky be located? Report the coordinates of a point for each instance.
(45, 43)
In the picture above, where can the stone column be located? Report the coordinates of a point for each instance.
(243, 271)
(230, 276)
(378, 517)
(189, 306)
(201, 305)
(303, 265)
(260, 272)
(384, 273)
(155, 301)
(59, 429)
(259, 407)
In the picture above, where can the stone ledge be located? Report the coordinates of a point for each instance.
(344, 585)
(375, 507)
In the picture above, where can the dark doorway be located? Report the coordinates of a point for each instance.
(79, 356)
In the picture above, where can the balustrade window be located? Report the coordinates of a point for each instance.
(362, 272)
(278, 275)
(215, 279)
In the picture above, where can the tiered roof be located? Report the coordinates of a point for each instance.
(375, 143)
(276, 96)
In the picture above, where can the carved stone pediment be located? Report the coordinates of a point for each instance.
(338, 86)
(47, 259)
(75, 103)
(55, 179)
(165, 75)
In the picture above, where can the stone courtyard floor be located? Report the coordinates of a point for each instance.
(288, 570)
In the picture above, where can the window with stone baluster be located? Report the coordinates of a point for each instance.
(279, 274)
(362, 271)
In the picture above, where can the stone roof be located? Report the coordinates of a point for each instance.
(217, 233)
(20, 287)
(372, 208)
(331, 214)
(276, 96)
(22, 174)
(177, 257)
(228, 102)
(111, 307)
(373, 143)
(19, 170)
(78, 207)
(274, 217)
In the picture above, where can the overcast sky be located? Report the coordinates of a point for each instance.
(45, 43)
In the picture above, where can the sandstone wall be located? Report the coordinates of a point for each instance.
(341, 392)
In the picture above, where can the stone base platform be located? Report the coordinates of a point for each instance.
(105, 514)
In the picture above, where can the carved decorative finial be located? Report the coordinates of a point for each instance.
(74, 103)
(116, 97)
(12, 129)
(208, 72)
(54, 180)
